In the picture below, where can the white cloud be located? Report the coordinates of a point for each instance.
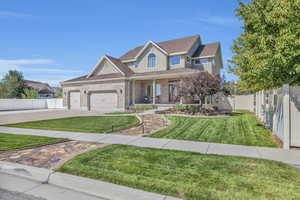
(44, 66)
(204, 19)
(217, 20)
(44, 70)
(4, 13)
(26, 61)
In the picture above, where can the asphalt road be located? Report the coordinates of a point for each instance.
(8, 195)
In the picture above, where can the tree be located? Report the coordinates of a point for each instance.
(267, 54)
(201, 85)
(237, 88)
(12, 84)
(30, 94)
(2, 91)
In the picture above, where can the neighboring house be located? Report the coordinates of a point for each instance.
(44, 90)
(145, 74)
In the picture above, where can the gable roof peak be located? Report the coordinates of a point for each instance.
(169, 46)
(117, 63)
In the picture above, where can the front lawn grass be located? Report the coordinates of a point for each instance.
(87, 124)
(188, 175)
(242, 128)
(119, 113)
(14, 142)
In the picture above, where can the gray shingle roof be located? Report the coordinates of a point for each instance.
(126, 70)
(207, 50)
(170, 46)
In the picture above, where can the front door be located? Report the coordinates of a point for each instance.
(149, 91)
(173, 93)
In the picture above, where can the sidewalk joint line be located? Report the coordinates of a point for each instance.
(206, 152)
(163, 146)
(132, 141)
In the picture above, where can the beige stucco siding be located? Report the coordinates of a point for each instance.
(87, 89)
(164, 90)
(138, 91)
(161, 60)
(106, 68)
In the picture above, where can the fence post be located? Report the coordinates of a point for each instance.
(286, 116)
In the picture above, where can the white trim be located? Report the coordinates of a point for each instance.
(91, 81)
(174, 64)
(144, 77)
(128, 61)
(146, 46)
(178, 53)
(196, 58)
(98, 64)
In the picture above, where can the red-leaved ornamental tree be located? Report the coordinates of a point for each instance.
(200, 85)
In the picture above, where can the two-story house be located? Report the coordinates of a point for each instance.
(145, 74)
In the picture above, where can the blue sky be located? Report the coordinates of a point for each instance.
(55, 40)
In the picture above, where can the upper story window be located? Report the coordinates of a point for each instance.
(188, 59)
(175, 60)
(201, 61)
(133, 64)
(151, 60)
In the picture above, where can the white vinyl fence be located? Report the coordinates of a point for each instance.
(30, 104)
(280, 111)
(236, 102)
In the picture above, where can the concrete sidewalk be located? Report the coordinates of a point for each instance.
(12, 117)
(28, 180)
(291, 157)
(26, 187)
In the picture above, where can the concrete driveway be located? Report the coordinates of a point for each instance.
(10, 117)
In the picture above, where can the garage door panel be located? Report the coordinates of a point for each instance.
(103, 101)
(75, 100)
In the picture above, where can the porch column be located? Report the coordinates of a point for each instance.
(133, 92)
(154, 91)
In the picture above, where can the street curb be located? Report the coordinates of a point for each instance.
(88, 186)
(33, 173)
(102, 189)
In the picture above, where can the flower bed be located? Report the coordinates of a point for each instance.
(195, 110)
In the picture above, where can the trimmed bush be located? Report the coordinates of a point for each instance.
(180, 108)
(143, 107)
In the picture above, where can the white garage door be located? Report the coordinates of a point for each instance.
(103, 101)
(75, 100)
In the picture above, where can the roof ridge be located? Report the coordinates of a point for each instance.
(196, 35)
(126, 70)
(170, 46)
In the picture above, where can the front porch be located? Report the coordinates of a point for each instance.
(156, 91)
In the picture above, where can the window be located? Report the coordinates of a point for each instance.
(197, 62)
(151, 60)
(175, 60)
(213, 61)
(188, 60)
(157, 88)
(133, 64)
(201, 61)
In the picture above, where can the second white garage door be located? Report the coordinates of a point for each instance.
(103, 101)
(75, 100)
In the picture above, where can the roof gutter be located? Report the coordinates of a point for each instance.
(169, 54)
(93, 81)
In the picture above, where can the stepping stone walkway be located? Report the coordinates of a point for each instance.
(49, 156)
(152, 123)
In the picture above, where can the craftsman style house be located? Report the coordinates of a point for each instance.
(144, 75)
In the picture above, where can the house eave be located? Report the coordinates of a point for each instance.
(93, 81)
(169, 54)
(199, 57)
(161, 76)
